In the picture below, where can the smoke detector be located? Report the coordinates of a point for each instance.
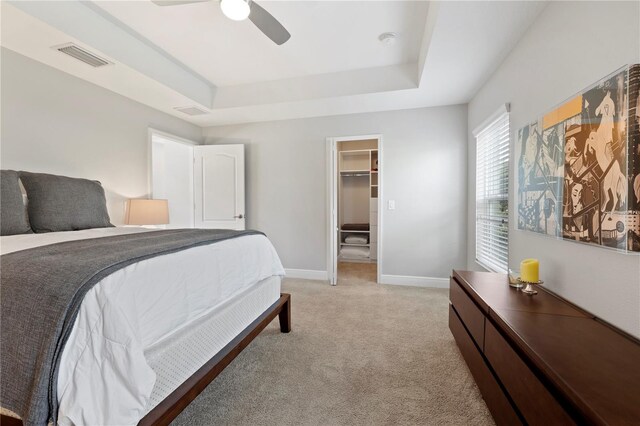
(387, 38)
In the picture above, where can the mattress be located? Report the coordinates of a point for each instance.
(176, 358)
(124, 333)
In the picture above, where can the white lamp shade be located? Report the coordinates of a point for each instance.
(237, 10)
(147, 212)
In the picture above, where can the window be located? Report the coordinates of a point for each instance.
(492, 192)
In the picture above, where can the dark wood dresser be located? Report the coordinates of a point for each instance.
(540, 360)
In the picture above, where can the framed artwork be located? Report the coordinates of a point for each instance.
(579, 167)
(540, 179)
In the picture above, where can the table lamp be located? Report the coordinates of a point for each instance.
(147, 212)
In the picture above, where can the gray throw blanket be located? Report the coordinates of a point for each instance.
(41, 290)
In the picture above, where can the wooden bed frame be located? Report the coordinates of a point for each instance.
(176, 401)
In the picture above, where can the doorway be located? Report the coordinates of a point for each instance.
(203, 184)
(171, 176)
(355, 190)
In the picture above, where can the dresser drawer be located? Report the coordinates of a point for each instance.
(536, 404)
(472, 317)
(498, 404)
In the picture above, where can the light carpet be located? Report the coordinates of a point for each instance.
(359, 353)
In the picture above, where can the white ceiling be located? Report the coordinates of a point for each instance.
(326, 37)
(333, 64)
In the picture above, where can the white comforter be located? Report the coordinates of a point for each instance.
(104, 376)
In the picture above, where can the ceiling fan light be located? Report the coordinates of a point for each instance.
(237, 10)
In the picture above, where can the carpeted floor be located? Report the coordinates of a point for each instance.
(360, 353)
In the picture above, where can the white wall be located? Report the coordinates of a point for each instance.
(570, 46)
(424, 171)
(53, 122)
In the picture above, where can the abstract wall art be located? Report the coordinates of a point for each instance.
(579, 166)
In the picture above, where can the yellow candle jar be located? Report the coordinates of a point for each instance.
(529, 270)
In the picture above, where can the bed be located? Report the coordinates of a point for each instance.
(157, 330)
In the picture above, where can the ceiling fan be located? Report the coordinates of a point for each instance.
(239, 10)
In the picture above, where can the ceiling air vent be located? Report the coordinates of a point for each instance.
(82, 54)
(191, 110)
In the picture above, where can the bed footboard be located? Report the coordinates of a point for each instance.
(177, 401)
(173, 404)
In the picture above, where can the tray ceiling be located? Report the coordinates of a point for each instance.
(191, 55)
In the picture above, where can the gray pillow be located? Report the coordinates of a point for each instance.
(60, 203)
(13, 212)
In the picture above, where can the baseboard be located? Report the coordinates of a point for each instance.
(310, 274)
(307, 274)
(414, 281)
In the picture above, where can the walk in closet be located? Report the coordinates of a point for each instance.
(358, 201)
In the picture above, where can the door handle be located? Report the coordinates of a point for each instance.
(240, 216)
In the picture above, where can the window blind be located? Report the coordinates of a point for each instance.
(492, 194)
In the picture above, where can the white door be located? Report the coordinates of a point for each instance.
(219, 186)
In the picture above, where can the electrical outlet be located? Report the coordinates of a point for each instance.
(392, 204)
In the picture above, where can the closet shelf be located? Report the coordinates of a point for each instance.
(358, 176)
(358, 172)
(355, 152)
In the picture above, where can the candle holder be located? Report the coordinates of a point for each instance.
(528, 286)
(514, 279)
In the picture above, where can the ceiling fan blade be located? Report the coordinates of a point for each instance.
(175, 2)
(268, 24)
